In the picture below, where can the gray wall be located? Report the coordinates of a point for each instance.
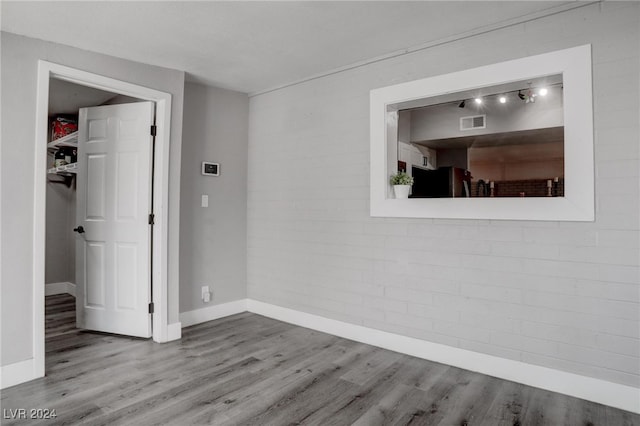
(558, 294)
(20, 57)
(60, 240)
(213, 240)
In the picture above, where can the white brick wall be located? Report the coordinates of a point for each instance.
(558, 294)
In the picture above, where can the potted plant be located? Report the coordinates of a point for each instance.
(401, 184)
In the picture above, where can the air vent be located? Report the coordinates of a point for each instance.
(473, 122)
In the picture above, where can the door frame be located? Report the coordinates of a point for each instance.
(159, 255)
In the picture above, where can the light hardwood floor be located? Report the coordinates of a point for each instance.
(251, 370)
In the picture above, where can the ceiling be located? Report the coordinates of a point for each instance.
(67, 98)
(255, 46)
(548, 135)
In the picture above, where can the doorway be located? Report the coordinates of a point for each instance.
(99, 185)
(46, 73)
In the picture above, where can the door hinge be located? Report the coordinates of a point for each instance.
(152, 219)
(154, 130)
(151, 307)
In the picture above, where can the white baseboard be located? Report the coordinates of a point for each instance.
(198, 316)
(16, 373)
(174, 331)
(71, 289)
(600, 391)
(591, 389)
(64, 287)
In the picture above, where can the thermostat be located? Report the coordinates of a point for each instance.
(210, 169)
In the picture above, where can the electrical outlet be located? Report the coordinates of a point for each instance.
(206, 294)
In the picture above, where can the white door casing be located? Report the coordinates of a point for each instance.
(113, 206)
(163, 284)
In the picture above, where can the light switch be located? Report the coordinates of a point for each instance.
(205, 201)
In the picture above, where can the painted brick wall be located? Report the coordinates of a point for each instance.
(558, 294)
(530, 187)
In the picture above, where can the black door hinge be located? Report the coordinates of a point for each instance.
(151, 307)
(152, 218)
(154, 130)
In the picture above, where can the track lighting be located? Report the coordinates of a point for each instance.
(528, 95)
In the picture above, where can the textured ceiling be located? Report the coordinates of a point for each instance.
(255, 46)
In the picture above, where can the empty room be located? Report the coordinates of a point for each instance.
(320, 213)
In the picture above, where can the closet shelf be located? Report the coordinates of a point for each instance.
(67, 169)
(69, 140)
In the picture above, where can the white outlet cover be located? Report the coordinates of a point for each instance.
(206, 294)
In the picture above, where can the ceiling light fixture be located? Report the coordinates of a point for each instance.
(531, 97)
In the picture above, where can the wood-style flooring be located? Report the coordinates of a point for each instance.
(250, 370)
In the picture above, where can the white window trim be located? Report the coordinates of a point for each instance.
(577, 204)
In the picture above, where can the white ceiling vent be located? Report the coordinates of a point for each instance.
(473, 122)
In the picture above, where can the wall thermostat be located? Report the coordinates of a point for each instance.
(210, 169)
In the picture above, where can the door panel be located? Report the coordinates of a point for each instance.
(126, 275)
(97, 130)
(96, 187)
(94, 273)
(114, 193)
(127, 187)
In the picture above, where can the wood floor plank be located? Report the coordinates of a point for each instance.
(297, 403)
(371, 367)
(353, 405)
(543, 408)
(438, 399)
(247, 408)
(246, 369)
(152, 403)
(473, 402)
(506, 408)
(620, 417)
(234, 385)
(384, 412)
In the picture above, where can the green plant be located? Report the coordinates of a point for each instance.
(401, 178)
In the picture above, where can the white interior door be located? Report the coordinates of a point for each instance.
(113, 206)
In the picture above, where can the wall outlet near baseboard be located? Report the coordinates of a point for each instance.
(206, 294)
